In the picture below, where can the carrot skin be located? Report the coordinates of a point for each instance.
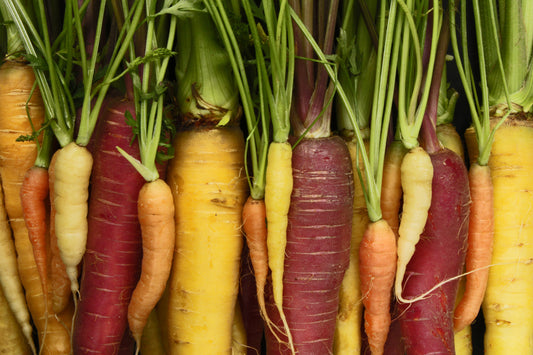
(348, 334)
(318, 244)
(112, 262)
(427, 324)
(156, 217)
(13, 340)
(207, 178)
(480, 240)
(33, 197)
(254, 262)
(60, 293)
(391, 190)
(377, 265)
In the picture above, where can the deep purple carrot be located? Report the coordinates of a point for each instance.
(427, 324)
(112, 262)
(318, 244)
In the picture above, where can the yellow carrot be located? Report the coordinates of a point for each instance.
(278, 190)
(239, 333)
(463, 338)
(348, 338)
(207, 179)
(508, 303)
(13, 340)
(448, 136)
(416, 177)
(13, 293)
(71, 191)
(391, 187)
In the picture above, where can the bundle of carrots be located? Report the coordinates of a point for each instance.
(265, 177)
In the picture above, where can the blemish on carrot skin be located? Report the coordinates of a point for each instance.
(502, 323)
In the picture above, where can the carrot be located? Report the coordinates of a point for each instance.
(376, 251)
(13, 340)
(278, 189)
(112, 261)
(427, 324)
(374, 112)
(349, 316)
(314, 269)
(255, 230)
(505, 306)
(59, 280)
(391, 188)
(449, 138)
(10, 279)
(156, 217)
(417, 58)
(208, 201)
(74, 161)
(416, 178)
(239, 343)
(480, 240)
(502, 78)
(33, 195)
(70, 202)
(463, 338)
(155, 204)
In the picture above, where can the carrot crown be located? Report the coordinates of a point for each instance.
(206, 91)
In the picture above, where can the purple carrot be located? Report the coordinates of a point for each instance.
(318, 244)
(112, 261)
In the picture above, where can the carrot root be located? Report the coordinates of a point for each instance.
(156, 217)
(479, 251)
(377, 254)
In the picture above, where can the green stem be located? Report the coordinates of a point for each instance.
(88, 123)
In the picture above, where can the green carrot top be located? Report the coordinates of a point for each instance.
(269, 72)
(492, 71)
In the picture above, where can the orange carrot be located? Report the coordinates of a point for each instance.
(59, 281)
(377, 265)
(391, 187)
(255, 230)
(156, 216)
(33, 194)
(480, 240)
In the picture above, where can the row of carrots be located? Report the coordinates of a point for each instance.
(279, 177)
